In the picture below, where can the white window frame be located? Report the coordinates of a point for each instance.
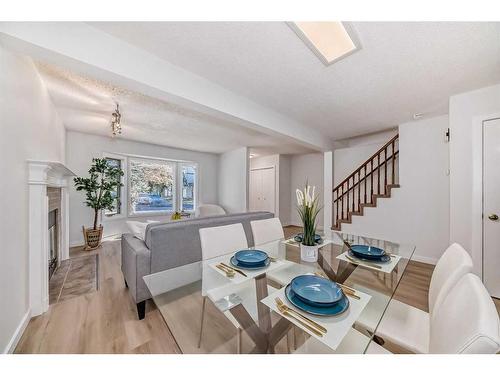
(130, 211)
(123, 189)
(180, 164)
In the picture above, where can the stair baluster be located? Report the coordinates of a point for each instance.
(347, 190)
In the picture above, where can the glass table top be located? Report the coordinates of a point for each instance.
(233, 315)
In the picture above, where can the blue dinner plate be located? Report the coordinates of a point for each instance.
(335, 309)
(251, 257)
(316, 290)
(300, 236)
(367, 252)
(259, 266)
(384, 259)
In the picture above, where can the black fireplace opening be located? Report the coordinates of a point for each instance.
(53, 242)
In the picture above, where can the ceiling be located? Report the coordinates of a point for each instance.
(85, 104)
(402, 68)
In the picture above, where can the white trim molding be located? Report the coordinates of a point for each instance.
(11, 346)
(43, 174)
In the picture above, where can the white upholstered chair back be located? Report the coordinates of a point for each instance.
(466, 321)
(453, 264)
(267, 230)
(217, 241)
(204, 210)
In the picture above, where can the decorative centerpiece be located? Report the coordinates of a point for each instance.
(308, 209)
(99, 188)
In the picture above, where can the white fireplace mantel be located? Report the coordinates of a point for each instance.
(43, 174)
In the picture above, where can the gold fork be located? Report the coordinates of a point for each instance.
(319, 327)
(286, 312)
(229, 273)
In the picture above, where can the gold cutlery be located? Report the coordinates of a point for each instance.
(301, 322)
(229, 273)
(234, 269)
(317, 326)
(273, 259)
(362, 263)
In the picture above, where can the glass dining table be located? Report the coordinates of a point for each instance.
(210, 310)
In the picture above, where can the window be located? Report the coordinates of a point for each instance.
(188, 188)
(116, 194)
(151, 186)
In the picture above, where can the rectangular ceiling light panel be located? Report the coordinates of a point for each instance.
(330, 41)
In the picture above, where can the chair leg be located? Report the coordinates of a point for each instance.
(202, 320)
(141, 310)
(239, 340)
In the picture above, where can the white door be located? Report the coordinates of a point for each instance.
(268, 190)
(262, 189)
(255, 187)
(491, 206)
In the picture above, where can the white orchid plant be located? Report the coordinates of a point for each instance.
(308, 209)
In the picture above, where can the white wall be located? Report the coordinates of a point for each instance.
(305, 167)
(346, 160)
(29, 129)
(467, 111)
(418, 212)
(233, 169)
(81, 148)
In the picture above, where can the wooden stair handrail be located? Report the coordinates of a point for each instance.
(364, 177)
(393, 139)
(347, 197)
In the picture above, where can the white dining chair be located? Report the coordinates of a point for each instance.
(466, 321)
(267, 230)
(215, 242)
(407, 326)
(354, 342)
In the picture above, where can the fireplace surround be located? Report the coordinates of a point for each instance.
(43, 175)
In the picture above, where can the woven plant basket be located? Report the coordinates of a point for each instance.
(92, 238)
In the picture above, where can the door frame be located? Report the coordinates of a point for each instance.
(477, 249)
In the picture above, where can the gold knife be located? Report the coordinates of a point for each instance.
(235, 269)
(301, 322)
(362, 263)
(289, 309)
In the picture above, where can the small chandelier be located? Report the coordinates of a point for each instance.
(116, 128)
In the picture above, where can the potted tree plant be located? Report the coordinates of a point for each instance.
(99, 187)
(308, 209)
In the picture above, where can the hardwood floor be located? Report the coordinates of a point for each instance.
(105, 321)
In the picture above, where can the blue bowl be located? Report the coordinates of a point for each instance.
(300, 236)
(331, 310)
(251, 257)
(254, 267)
(384, 259)
(316, 290)
(367, 252)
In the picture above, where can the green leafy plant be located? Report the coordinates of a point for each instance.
(308, 209)
(103, 180)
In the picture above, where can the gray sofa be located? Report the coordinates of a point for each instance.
(170, 245)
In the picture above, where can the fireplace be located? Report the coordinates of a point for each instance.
(48, 227)
(53, 241)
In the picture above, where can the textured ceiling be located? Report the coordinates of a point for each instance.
(402, 68)
(85, 104)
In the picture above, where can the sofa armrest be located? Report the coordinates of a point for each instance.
(136, 263)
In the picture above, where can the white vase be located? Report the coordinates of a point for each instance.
(309, 253)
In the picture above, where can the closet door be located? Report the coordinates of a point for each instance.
(268, 198)
(255, 187)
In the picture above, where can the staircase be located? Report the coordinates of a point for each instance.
(374, 179)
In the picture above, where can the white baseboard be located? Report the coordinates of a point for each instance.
(11, 346)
